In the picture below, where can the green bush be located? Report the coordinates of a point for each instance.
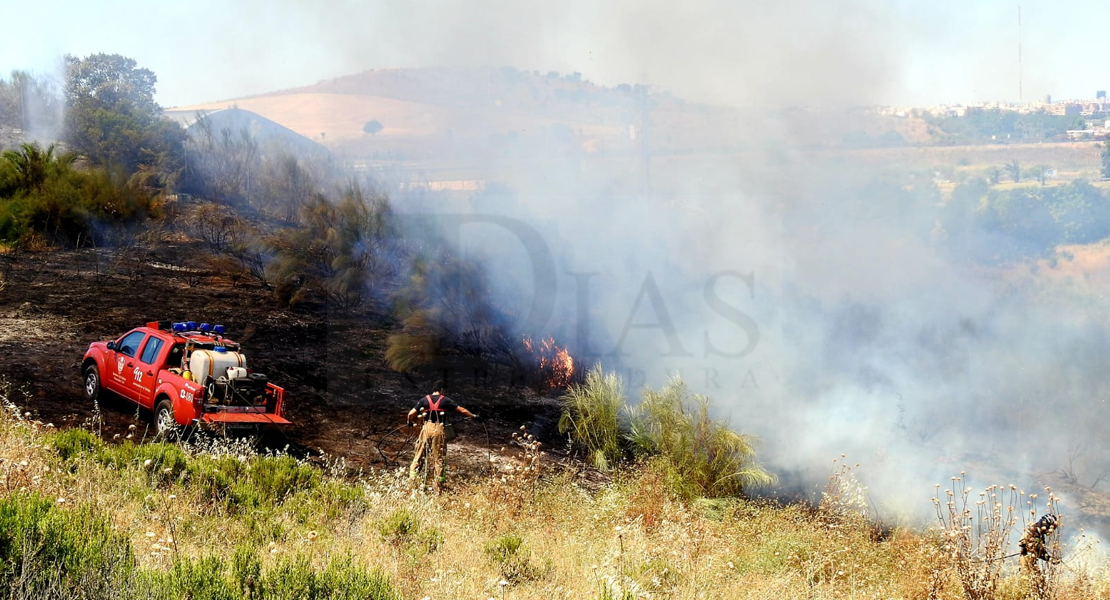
(702, 457)
(606, 593)
(202, 578)
(341, 580)
(513, 559)
(261, 481)
(207, 578)
(399, 526)
(257, 482)
(46, 550)
(404, 531)
(71, 443)
(274, 478)
(41, 193)
(591, 414)
(166, 461)
(246, 568)
(214, 476)
(777, 552)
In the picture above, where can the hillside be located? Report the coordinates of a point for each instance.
(155, 520)
(437, 111)
(226, 519)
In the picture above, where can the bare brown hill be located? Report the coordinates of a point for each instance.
(443, 111)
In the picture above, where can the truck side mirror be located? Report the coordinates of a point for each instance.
(111, 345)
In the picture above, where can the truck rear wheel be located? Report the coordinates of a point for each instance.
(92, 383)
(164, 423)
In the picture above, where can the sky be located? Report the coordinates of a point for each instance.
(902, 52)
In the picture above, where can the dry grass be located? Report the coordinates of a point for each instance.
(554, 539)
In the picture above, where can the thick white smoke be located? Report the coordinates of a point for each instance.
(811, 308)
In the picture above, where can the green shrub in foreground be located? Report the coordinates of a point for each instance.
(260, 481)
(72, 443)
(48, 550)
(405, 532)
(210, 578)
(513, 559)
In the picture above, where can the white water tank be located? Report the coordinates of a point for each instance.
(211, 363)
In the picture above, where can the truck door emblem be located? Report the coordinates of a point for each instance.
(119, 365)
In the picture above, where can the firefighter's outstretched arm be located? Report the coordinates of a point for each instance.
(464, 412)
(409, 418)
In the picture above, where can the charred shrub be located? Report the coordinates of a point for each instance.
(338, 254)
(447, 319)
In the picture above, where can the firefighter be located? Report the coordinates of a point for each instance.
(1033, 548)
(432, 410)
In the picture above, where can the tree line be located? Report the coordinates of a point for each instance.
(981, 125)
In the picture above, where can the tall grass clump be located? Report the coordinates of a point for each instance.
(702, 457)
(591, 415)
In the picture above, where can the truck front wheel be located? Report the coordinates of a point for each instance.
(164, 422)
(92, 383)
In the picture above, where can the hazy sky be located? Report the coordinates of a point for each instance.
(733, 52)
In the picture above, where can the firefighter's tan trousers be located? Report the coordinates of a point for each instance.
(431, 433)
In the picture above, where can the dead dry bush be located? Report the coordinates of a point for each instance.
(216, 225)
(977, 535)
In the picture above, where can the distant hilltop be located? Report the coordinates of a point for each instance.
(426, 112)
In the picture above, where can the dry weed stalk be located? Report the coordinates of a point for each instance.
(844, 499)
(977, 532)
(519, 478)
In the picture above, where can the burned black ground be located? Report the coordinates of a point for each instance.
(341, 397)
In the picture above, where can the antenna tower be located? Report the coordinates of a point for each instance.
(1020, 98)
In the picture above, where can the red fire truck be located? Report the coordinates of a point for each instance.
(186, 373)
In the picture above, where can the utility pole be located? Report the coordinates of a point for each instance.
(1020, 98)
(645, 151)
(22, 82)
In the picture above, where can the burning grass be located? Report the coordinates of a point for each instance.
(153, 520)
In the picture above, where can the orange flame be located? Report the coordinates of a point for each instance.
(556, 365)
